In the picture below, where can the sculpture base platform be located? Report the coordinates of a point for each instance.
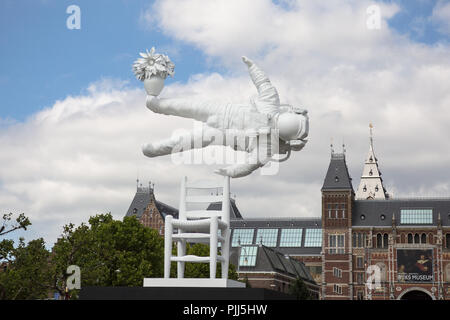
(186, 294)
(192, 283)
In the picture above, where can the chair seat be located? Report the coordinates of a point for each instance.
(196, 237)
(201, 214)
(197, 225)
(192, 258)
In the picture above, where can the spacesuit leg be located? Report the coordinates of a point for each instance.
(179, 142)
(268, 98)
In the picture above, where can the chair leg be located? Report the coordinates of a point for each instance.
(226, 254)
(167, 245)
(213, 247)
(181, 249)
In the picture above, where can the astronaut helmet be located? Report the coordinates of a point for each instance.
(293, 125)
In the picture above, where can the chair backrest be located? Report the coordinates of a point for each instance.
(223, 197)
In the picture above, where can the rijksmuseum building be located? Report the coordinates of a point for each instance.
(407, 240)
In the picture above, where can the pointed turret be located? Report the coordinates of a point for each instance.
(371, 185)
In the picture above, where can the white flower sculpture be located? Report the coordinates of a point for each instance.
(153, 64)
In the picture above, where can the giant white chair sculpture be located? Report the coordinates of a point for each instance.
(199, 226)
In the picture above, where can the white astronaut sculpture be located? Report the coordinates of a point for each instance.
(283, 127)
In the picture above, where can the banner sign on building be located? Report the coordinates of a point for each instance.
(415, 265)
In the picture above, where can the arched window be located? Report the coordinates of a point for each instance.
(416, 238)
(410, 238)
(447, 240)
(385, 240)
(423, 238)
(354, 240)
(379, 241)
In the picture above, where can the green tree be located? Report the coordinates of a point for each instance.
(29, 272)
(299, 289)
(108, 252)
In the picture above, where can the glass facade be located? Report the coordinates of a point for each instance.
(416, 216)
(291, 238)
(248, 256)
(267, 237)
(244, 236)
(313, 238)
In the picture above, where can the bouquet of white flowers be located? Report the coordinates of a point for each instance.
(153, 68)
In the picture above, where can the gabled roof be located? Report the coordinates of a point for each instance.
(337, 177)
(234, 211)
(141, 200)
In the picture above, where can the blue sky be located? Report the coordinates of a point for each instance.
(42, 61)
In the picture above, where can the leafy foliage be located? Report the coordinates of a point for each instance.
(108, 252)
(21, 222)
(28, 275)
(300, 290)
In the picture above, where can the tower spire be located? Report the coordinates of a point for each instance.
(371, 185)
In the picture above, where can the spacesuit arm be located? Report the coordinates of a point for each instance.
(242, 170)
(186, 108)
(268, 100)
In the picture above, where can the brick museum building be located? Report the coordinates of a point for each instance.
(402, 242)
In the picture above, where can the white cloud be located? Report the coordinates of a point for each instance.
(80, 156)
(441, 16)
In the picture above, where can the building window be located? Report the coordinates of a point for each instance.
(337, 211)
(329, 210)
(291, 238)
(343, 210)
(313, 238)
(423, 238)
(242, 236)
(248, 256)
(337, 289)
(336, 244)
(416, 216)
(337, 272)
(410, 238)
(379, 241)
(382, 241)
(267, 237)
(359, 262)
(416, 238)
(359, 240)
(447, 240)
(360, 278)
